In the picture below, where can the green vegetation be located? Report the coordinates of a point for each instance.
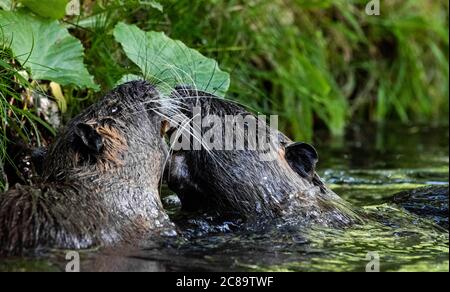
(18, 120)
(168, 63)
(45, 48)
(317, 64)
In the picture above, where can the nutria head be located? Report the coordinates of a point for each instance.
(114, 152)
(238, 182)
(113, 133)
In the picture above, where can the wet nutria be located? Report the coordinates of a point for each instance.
(99, 180)
(238, 183)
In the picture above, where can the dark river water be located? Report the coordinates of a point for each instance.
(366, 168)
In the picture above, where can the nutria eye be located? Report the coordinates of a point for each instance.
(115, 109)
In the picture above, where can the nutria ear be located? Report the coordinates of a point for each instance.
(302, 158)
(89, 137)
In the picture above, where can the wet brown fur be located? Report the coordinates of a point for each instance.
(88, 198)
(238, 183)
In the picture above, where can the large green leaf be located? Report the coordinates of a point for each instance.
(170, 62)
(46, 48)
(54, 9)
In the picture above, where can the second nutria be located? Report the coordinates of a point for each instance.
(100, 180)
(238, 183)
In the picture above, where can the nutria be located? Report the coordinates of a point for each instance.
(239, 184)
(100, 180)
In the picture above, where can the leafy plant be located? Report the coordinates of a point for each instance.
(17, 119)
(168, 62)
(46, 48)
(55, 9)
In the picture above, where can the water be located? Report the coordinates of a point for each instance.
(366, 168)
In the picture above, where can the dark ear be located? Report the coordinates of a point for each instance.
(302, 158)
(89, 137)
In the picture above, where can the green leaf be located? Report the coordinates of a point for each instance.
(170, 62)
(55, 9)
(45, 48)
